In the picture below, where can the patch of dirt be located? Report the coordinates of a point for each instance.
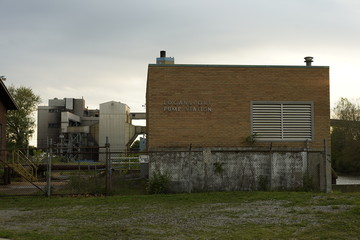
(6, 215)
(26, 188)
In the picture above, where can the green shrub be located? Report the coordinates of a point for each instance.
(250, 139)
(83, 184)
(218, 167)
(158, 183)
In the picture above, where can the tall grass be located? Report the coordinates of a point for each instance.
(225, 215)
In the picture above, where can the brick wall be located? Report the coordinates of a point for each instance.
(209, 106)
(2, 129)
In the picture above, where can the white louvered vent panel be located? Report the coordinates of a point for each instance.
(282, 121)
(297, 122)
(267, 121)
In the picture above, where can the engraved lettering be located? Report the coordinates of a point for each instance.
(181, 105)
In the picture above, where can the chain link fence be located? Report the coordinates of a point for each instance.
(99, 171)
(56, 171)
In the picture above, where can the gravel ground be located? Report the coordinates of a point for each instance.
(180, 222)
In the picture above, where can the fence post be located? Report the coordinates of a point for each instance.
(190, 171)
(48, 193)
(271, 167)
(306, 168)
(327, 168)
(108, 167)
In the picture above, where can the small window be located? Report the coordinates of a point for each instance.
(54, 110)
(282, 121)
(53, 125)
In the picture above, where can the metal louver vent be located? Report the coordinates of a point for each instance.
(282, 121)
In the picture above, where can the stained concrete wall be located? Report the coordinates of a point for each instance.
(233, 170)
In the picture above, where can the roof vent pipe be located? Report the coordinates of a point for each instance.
(162, 53)
(308, 61)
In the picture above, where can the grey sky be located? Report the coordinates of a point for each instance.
(100, 50)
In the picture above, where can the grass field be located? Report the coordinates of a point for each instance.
(225, 215)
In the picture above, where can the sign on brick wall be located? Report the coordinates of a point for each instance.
(187, 106)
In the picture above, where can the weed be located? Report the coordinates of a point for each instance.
(355, 211)
(218, 167)
(81, 184)
(158, 183)
(251, 139)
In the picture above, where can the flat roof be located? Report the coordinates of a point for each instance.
(235, 66)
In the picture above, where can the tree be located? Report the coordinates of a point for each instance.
(21, 123)
(345, 137)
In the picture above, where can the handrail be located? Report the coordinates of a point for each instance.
(19, 158)
(12, 164)
(126, 162)
(27, 159)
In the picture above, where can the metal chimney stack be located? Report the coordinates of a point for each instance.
(162, 54)
(308, 61)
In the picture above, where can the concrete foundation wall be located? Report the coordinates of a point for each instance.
(214, 170)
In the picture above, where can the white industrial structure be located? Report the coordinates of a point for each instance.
(73, 127)
(115, 124)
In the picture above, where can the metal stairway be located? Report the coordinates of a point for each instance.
(23, 166)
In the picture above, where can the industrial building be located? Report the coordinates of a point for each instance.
(252, 122)
(71, 126)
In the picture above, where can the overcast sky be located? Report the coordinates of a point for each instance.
(100, 50)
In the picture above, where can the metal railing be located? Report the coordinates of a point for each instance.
(125, 163)
(23, 165)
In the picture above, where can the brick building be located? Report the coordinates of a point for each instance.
(238, 109)
(6, 103)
